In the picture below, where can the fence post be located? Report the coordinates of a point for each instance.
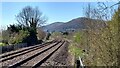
(81, 63)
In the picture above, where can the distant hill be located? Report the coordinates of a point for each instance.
(74, 24)
(53, 26)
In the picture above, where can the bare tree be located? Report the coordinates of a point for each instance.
(31, 18)
(87, 11)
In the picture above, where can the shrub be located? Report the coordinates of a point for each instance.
(74, 50)
(19, 37)
(77, 37)
(41, 34)
(2, 44)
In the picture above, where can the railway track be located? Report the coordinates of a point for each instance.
(30, 56)
(24, 49)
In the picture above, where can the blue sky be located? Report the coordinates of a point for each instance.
(55, 11)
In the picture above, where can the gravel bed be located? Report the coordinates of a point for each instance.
(59, 58)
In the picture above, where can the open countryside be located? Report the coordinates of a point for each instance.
(64, 34)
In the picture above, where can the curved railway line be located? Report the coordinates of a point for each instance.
(30, 56)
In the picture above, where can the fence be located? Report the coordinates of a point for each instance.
(8, 48)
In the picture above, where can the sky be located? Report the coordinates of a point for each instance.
(54, 11)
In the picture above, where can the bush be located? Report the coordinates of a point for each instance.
(48, 36)
(41, 34)
(2, 44)
(19, 37)
(65, 33)
(102, 44)
(5, 36)
(77, 37)
(73, 49)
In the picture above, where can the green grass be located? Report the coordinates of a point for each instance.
(2, 44)
(74, 50)
(77, 37)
